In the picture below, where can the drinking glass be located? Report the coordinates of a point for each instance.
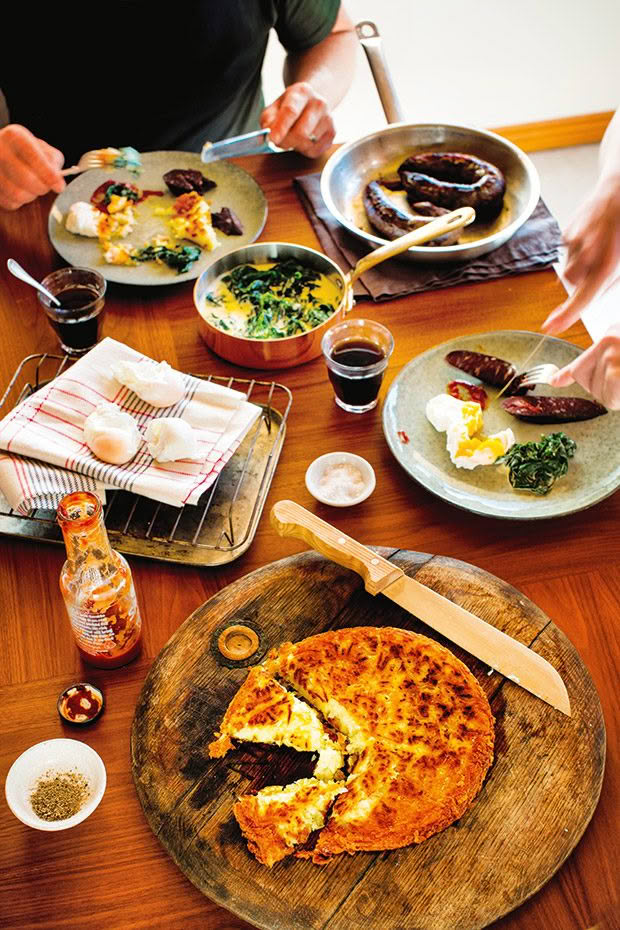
(357, 353)
(81, 292)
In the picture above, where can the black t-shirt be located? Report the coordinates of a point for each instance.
(152, 75)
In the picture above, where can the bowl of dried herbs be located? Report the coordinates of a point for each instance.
(55, 784)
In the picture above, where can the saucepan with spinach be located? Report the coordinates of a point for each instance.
(267, 305)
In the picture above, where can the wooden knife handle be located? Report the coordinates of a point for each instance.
(291, 519)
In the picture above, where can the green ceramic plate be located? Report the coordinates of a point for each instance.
(594, 472)
(235, 189)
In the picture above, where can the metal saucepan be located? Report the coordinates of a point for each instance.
(352, 166)
(295, 350)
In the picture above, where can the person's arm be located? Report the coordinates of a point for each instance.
(29, 167)
(317, 79)
(593, 236)
(597, 369)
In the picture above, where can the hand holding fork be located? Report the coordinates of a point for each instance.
(597, 370)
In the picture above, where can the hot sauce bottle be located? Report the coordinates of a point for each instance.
(97, 586)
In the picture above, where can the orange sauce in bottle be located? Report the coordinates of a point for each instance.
(97, 586)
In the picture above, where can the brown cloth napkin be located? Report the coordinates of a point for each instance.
(534, 246)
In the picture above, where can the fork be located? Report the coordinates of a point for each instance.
(540, 374)
(97, 158)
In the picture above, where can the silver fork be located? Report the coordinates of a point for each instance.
(540, 374)
(97, 158)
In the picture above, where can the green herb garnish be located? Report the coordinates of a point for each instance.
(121, 190)
(278, 308)
(180, 258)
(536, 466)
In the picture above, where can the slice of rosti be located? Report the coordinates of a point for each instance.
(262, 711)
(277, 820)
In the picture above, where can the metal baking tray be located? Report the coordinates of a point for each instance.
(215, 531)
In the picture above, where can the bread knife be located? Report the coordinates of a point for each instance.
(503, 653)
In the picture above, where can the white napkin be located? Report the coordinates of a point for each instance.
(47, 427)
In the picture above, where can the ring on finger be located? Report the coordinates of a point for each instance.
(312, 138)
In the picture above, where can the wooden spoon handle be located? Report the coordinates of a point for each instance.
(433, 230)
(291, 519)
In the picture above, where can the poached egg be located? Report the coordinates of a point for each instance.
(462, 423)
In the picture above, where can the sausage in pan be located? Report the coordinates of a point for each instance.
(391, 222)
(539, 409)
(453, 179)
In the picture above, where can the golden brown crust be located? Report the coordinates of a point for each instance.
(419, 721)
(419, 730)
(262, 711)
(259, 702)
(276, 820)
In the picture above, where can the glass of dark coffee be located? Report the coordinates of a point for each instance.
(81, 292)
(357, 353)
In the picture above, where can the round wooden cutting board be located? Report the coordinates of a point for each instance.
(537, 800)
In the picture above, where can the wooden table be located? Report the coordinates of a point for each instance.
(111, 871)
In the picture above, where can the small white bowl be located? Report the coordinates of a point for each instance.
(53, 755)
(317, 469)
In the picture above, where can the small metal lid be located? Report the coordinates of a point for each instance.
(81, 704)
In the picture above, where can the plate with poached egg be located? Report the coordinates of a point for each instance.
(453, 447)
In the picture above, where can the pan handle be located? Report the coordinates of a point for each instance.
(370, 40)
(433, 230)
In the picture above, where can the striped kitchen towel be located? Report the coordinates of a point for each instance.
(48, 427)
(29, 485)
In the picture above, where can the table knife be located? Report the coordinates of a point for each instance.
(236, 146)
(503, 653)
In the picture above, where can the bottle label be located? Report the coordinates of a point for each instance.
(91, 630)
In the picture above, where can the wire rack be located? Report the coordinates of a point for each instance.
(216, 530)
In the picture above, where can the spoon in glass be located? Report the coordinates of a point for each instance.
(16, 269)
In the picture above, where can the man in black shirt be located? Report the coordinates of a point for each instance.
(161, 76)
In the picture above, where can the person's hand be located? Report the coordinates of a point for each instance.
(29, 167)
(597, 370)
(299, 119)
(593, 242)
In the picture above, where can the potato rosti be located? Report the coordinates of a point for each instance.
(418, 729)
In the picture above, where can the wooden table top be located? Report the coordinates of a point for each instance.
(111, 871)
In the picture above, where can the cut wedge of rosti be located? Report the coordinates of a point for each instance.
(262, 711)
(277, 820)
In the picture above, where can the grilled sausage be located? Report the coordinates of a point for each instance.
(452, 179)
(487, 368)
(392, 184)
(392, 223)
(540, 409)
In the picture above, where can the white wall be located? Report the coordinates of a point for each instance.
(486, 62)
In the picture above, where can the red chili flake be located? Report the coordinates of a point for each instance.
(402, 435)
(464, 390)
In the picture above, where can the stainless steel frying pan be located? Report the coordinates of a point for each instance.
(352, 166)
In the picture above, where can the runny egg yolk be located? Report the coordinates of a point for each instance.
(469, 446)
(471, 414)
